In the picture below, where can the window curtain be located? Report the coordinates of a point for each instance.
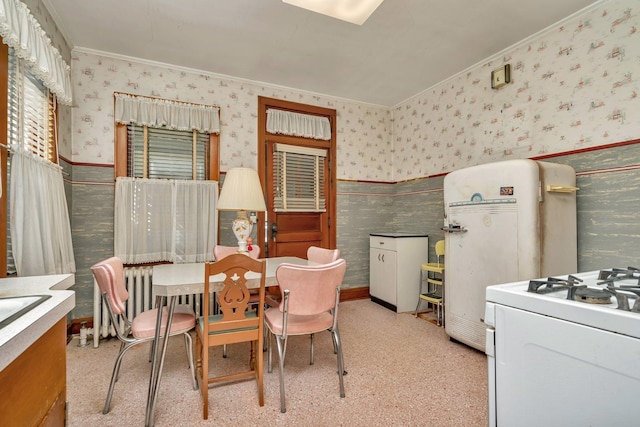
(165, 220)
(21, 31)
(156, 112)
(40, 228)
(297, 124)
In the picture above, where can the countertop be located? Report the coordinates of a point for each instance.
(16, 337)
(396, 235)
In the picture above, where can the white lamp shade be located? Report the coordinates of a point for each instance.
(241, 191)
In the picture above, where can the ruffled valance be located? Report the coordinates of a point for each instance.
(22, 32)
(296, 124)
(155, 112)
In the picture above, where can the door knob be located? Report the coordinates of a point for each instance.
(274, 231)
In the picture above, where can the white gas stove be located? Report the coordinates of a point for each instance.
(562, 340)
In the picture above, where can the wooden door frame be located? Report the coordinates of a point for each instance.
(263, 104)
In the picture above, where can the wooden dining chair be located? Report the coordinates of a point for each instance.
(109, 275)
(236, 323)
(310, 297)
(220, 252)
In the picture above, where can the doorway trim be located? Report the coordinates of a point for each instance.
(263, 104)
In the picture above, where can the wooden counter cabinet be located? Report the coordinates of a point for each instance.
(33, 387)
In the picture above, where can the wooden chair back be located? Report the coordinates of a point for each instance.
(236, 322)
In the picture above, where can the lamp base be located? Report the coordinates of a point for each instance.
(242, 227)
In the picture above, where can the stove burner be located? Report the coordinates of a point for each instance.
(589, 295)
(611, 275)
(552, 284)
(622, 297)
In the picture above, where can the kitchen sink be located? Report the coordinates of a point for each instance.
(13, 307)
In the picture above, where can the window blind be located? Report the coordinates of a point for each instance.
(30, 121)
(298, 176)
(169, 153)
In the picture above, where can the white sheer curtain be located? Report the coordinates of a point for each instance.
(297, 124)
(165, 220)
(41, 233)
(156, 112)
(21, 31)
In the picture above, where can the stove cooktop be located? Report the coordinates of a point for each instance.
(619, 284)
(606, 299)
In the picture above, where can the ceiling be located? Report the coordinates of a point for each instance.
(405, 47)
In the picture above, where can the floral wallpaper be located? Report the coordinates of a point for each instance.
(363, 130)
(573, 87)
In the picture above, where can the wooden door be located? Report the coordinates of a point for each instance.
(291, 233)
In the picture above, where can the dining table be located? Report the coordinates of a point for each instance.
(170, 281)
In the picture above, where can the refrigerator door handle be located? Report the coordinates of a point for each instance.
(453, 228)
(561, 189)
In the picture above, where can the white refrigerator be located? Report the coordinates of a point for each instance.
(504, 222)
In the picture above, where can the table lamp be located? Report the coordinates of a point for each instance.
(242, 192)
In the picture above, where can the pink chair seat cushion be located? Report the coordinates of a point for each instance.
(298, 324)
(144, 325)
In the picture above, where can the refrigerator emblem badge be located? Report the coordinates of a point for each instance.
(506, 191)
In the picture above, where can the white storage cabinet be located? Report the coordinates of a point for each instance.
(394, 268)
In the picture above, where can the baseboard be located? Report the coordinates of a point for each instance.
(351, 294)
(385, 304)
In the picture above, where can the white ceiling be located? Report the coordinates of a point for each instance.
(405, 47)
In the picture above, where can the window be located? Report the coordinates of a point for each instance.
(167, 170)
(160, 138)
(298, 178)
(31, 121)
(39, 232)
(166, 153)
(30, 124)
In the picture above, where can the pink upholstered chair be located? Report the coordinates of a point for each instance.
(220, 251)
(109, 275)
(322, 255)
(314, 254)
(310, 297)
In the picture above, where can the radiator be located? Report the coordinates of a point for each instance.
(138, 281)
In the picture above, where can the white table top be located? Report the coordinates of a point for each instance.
(183, 279)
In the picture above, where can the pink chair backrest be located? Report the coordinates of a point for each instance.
(322, 255)
(220, 252)
(109, 275)
(312, 289)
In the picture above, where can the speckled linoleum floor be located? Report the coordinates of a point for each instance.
(402, 371)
